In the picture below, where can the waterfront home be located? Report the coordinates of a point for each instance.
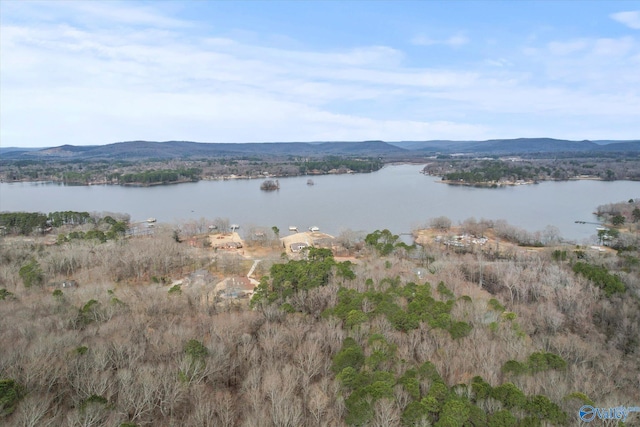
(298, 246)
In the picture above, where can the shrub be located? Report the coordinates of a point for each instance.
(5, 294)
(600, 276)
(454, 414)
(460, 330)
(583, 398)
(355, 317)
(559, 255)
(411, 384)
(502, 418)
(510, 395)
(10, 394)
(351, 355)
(88, 313)
(93, 400)
(514, 367)
(359, 409)
(541, 407)
(480, 388)
(31, 274)
(414, 413)
(495, 305)
(195, 349)
(536, 362)
(444, 291)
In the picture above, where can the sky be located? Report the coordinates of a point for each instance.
(98, 72)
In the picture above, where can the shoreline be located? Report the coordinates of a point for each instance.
(331, 172)
(492, 184)
(204, 178)
(487, 184)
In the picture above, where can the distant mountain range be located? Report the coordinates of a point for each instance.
(139, 150)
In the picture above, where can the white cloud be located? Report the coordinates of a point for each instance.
(630, 18)
(95, 14)
(499, 62)
(591, 65)
(567, 47)
(613, 47)
(456, 40)
(67, 82)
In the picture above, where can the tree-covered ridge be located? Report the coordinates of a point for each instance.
(287, 279)
(536, 362)
(28, 222)
(388, 299)
(600, 276)
(340, 164)
(23, 222)
(154, 171)
(372, 374)
(96, 226)
(509, 170)
(165, 176)
(385, 242)
(494, 171)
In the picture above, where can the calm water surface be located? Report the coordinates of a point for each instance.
(397, 197)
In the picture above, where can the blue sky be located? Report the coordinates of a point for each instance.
(96, 72)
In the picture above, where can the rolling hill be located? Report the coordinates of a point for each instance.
(139, 150)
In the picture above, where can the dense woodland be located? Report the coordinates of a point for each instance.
(495, 171)
(411, 335)
(83, 172)
(468, 169)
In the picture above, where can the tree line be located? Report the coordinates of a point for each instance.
(165, 176)
(339, 163)
(26, 223)
(481, 171)
(171, 171)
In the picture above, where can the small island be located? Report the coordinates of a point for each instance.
(270, 185)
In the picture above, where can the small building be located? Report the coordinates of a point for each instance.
(235, 287)
(200, 277)
(298, 246)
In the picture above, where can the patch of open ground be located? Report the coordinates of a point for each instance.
(455, 237)
(489, 242)
(308, 238)
(226, 241)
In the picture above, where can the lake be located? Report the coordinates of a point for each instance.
(397, 197)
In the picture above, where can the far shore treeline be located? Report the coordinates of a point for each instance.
(483, 163)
